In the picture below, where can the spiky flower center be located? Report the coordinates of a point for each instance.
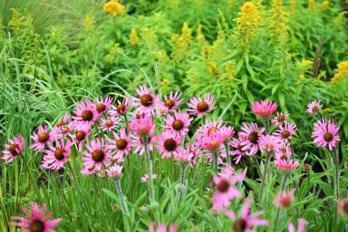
(253, 137)
(98, 155)
(101, 107)
(202, 106)
(59, 153)
(37, 226)
(13, 149)
(285, 201)
(109, 123)
(121, 144)
(43, 137)
(240, 225)
(223, 186)
(146, 99)
(80, 135)
(212, 130)
(285, 134)
(169, 103)
(328, 137)
(281, 118)
(60, 123)
(177, 124)
(65, 130)
(315, 109)
(284, 157)
(121, 108)
(170, 144)
(87, 115)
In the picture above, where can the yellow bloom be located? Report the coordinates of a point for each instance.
(133, 37)
(311, 4)
(113, 7)
(199, 34)
(306, 63)
(342, 70)
(324, 4)
(277, 22)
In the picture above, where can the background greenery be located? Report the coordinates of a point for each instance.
(54, 53)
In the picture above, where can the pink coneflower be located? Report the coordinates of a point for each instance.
(178, 123)
(145, 178)
(212, 142)
(96, 157)
(286, 131)
(42, 137)
(141, 124)
(263, 108)
(185, 156)
(301, 226)
(57, 155)
(168, 144)
(225, 183)
(109, 123)
(199, 106)
(37, 220)
(13, 149)
(286, 164)
(121, 107)
(120, 144)
(147, 100)
(269, 143)
(103, 105)
(314, 107)
(138, 143)
(280, 118)
(342, 206)
(284, 199)
(284, 151)
(325, 134)
(162, 228)
(238, 150)
(63, 121)
(247, 220)
(171, 102)
(114, 171)
(81, 134)
(250, 134)
(227, 132)
(86, 113)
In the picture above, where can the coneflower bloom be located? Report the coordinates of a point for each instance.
(13, 149)
(120, 144)
(325, 134)
(103, 105)
(342, 206)
(250, 134)
(284, 199)
(96, 157)
(199, 106)
(168, 144)
(114, 171)
(212, 142)
(209, 128)
(141, 124)
(42, 137)
(145, 178)
(238, 151)
(280, 118)
(109, 123)
(162, 228)
(226, 190)
(185, 156)
(86, 113)
(286, 164)
(247, 220)
(63, 121)
(286, 131)
(57, 154)
(284, 151)
(171, 102)
(81, 134)
(269, 143)
(147, 101)
(263, 109)
(138, 143)
(178, 123)
(314, 107)
(37, 220)
(121, 107)
(227, 132)
(301, 226)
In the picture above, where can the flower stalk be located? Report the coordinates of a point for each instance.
(120, 195)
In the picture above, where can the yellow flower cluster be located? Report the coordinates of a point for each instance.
(113, 8)
(133, 37)
(342, 70)
(248, 22)
(277, 22)
(324, 4)
(181, 42)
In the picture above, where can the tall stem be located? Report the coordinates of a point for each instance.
(227, 155)
(120, 195)
(264, 176)
(336, 167)
(285, 177)
(37, 190)
(150, 168)
(182, 180)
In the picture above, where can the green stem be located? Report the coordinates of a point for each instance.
(37, 190)
(285, 177)
(150, 168)
(227, 155)
(182, 180)
(264, 176)
(120, 195)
